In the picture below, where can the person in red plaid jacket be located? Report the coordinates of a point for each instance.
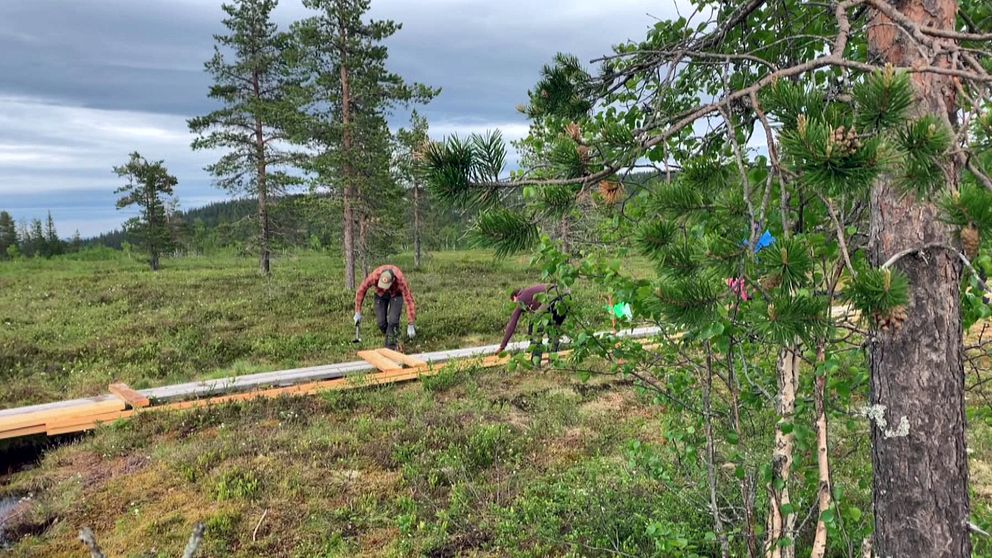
(391, 291)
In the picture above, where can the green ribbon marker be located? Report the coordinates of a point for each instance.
(621, 310)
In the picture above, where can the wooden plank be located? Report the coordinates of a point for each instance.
(129, 396)
(379, 361)
(23, 431)
(111, 403)
(64, 422)
(301, 381)
(88, 425)
(397, 356)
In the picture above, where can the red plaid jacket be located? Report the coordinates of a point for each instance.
(399, 286)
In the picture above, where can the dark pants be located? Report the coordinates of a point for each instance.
(536, 330)
(388, 310)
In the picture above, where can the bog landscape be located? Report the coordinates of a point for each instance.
(717, 287)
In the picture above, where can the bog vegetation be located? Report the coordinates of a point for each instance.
(797, 194)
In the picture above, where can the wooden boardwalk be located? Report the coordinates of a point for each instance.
(381, 366)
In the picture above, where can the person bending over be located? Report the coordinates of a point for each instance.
(391, 291)
(541, 309)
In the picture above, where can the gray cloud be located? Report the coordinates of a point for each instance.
(87, 82)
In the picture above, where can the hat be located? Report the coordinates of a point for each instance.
(385, 279)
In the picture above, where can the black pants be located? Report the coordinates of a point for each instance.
(388, 310)
(536, 330)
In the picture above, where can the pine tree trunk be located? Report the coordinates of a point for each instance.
(349, 187)
(781, 524)
(920, 492)
(416, 225)
(363, 242)
(263, 201)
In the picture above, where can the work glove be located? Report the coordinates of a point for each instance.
(411, 331)
(358, 318)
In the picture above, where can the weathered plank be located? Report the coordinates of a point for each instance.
(130, 396)
(397, 356)
(379, 361)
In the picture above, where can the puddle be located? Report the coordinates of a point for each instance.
(7, 506)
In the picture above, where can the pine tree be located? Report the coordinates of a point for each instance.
(76, 244)
(53, 245)
(149, 186)
(36, 240)
(852, 199)
(350, 92)
(413, 145)
(253, 82)
(8, 234)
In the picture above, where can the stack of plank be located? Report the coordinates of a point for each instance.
(122, 402)
(70, 416)
(380, 366)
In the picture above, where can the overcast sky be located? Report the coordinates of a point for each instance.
(85, 83)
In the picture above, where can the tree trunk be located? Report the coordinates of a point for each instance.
(416, 225)
(920, 480)
(348, 192)
(263, 199)
(825, 496)
(363, 242)
(781, 526)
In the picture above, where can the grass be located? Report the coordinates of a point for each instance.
(469, 462)
(69, 328)
(485, 464)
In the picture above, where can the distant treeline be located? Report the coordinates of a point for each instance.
(299, 221)
(33, 238)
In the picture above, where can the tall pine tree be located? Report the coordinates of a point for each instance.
(253, 83)
(350, 94)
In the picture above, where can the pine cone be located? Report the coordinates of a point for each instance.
(893, 319)
(574, 131)
(611, 191)
(970, 241)
(583, 151)
(771, 282)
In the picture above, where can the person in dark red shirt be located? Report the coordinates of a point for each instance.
(531, 300)
(391, 291)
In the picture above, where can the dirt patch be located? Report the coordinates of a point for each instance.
(609, 402)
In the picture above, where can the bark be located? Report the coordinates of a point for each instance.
(782, 526)
(260, 178)
(920, 480)
(363, 242)
(824, 497)
(348, 193)
(416, 225)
